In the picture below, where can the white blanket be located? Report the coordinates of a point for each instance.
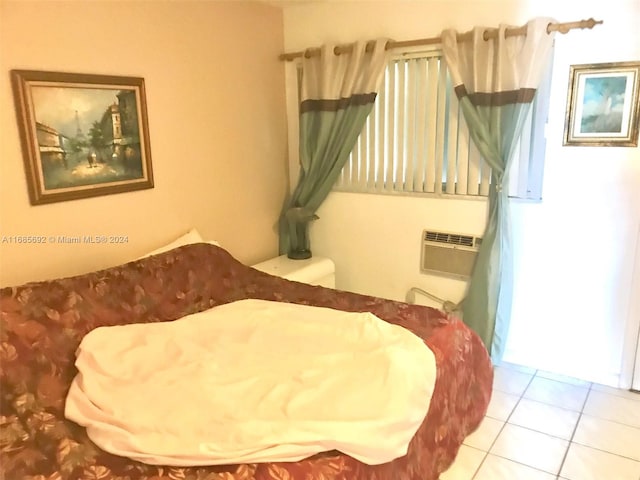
(253, 381)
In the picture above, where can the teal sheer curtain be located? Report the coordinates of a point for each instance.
(495, 81)
(338, 93)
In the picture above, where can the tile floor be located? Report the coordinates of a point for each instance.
(542, 426)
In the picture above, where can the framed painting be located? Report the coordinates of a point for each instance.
(82, 135)
(603, 105)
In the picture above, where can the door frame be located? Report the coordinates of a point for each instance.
(634, 315)
(635, 381)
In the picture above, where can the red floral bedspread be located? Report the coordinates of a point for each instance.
(41, 325)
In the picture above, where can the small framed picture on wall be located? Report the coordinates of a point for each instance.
(603, 105)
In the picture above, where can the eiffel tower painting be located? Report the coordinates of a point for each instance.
(89, 135)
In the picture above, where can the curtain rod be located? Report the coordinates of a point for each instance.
(488, 34)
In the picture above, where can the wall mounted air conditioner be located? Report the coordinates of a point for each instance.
(450, 254)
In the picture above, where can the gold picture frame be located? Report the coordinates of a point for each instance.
(83, 135)
(603, 105)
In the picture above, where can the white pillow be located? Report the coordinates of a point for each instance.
(192, 236)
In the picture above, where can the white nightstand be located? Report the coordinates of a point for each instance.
(314, 271)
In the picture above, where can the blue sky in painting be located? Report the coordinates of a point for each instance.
(57, 106)
(604, 94)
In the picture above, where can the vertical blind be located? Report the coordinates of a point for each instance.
(416, 140)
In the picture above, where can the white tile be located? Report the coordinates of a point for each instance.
(556, 393)
(616, 391)
(519, 368)
(465, 465)
(584, 463)
(510, 381)
(563, 378)
(614, 408)
(498, 468)
(501, 405)
(609, 436)
(485, 435)
(531, 448)
(544, 418)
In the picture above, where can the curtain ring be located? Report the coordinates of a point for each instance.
(336, 51)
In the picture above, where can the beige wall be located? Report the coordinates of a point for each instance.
(215, 95)
(574, 250)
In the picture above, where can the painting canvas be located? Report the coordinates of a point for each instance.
(603, 106)
(82, 135)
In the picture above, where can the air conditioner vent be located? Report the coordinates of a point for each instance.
(452, 238)
(446, 253)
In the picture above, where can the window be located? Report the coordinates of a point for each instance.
(416, 140)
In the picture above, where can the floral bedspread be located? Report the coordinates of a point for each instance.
(42, 324)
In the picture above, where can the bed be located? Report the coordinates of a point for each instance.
(43, 323)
